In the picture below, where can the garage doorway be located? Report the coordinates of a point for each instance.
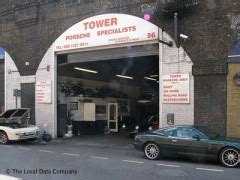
(121, 84)
(28, 99)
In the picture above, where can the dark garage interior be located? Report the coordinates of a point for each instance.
(105, 94)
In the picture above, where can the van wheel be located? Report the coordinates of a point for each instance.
(3, 138)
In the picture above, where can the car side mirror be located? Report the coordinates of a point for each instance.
(196, 137)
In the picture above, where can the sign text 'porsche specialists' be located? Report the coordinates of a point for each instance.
(107, 29)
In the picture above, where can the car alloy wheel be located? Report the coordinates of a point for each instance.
(3, 138)
(152, 151)
(229, 157)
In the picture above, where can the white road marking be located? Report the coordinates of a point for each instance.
(168, 165)
(214, 170)
(24, 148)
(139, 162)
(45, 151)
(6, 177)
(96, 157)
(232, 56)
(6, 146)
(68, 154)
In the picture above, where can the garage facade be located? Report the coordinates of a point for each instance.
(115, 38)
(29, 28)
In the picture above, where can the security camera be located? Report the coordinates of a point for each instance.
(184, 36)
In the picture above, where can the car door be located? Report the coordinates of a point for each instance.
(166, 144)
(186, 145)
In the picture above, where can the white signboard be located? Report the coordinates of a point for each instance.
(175, 88)
(106, 29)
(44, 92)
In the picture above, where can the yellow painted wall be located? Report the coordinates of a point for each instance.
(233, 102)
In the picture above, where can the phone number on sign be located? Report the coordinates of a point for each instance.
(68, 46)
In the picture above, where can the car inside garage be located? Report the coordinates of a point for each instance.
(102, 90)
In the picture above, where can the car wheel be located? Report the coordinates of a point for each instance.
(229, 157)
(47, 137)
(3, 138)
(152, 151)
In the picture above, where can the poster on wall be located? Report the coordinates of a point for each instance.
(44, 92)
(106, 29)
(175, 89)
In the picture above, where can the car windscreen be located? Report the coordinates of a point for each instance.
(150, 118)
(8, 113)
(20, 113)
(154, 119)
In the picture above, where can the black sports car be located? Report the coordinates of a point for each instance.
(187, 141)
(149, 123)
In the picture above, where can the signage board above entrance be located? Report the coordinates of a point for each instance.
(106, 29)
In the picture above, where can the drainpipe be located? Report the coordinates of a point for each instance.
(176, 30)
(160, 78)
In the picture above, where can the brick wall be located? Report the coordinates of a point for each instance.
(212, 30)
(211, 26)
(233, 110)
(210, 103)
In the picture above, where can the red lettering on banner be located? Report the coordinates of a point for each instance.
(78, 36)
(100, 23)
(175, 75)
(116, 30)
(175, 88)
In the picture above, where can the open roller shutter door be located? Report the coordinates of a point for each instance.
(118, 53)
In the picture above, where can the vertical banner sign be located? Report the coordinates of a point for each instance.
(44, 92)
(175, 88)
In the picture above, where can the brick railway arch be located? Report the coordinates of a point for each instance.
(10, 71)
(28, 24)
(28, 28)
(11, 53)
(24, 84)
(76, 34)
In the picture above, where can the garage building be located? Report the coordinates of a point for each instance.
(107, 70)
